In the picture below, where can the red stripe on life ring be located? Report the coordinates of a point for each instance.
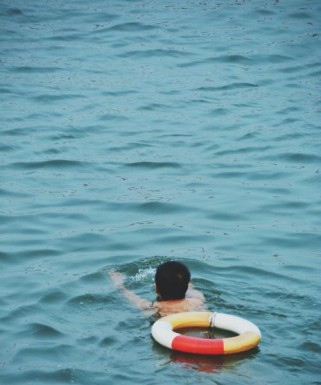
(198, 345)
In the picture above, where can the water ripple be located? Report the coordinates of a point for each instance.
(37, 70)
(41, 331)
(154, 165)
(139, 132)
(132, 27)
(151, 53)
(228, 87)
(49, 164)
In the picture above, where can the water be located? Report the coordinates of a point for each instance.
(138, 131)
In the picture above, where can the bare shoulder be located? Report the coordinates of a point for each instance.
(193, 293)
(194, 301)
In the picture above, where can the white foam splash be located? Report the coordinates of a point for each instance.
(144, 274)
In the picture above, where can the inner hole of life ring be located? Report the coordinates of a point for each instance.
(209, 333)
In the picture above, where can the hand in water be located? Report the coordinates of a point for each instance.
(117, 278)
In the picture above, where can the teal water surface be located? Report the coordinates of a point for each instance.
(133, 132)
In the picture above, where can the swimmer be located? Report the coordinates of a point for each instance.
(174, 291)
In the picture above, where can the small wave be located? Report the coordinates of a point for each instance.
(274, 59)
(302, 158)
(155, 107)
(228, 87)
(239, 59)
(14, 257)
(6, 90)
(11, 12)
(253, 60)
(225, 216)
(231, 59)
(41, 331)
(291, 361)
(42, 375)
(13, 194)
(310, 346)
(251, 271)
(231, 174)
(161, 207)
(108, 341)
(111, 117)
(300, 15)
(154, 165)
(129, 27)
(35, 70)
(88, 300)
(50, 164)
(264, 12)
(244, 150)
(152, 53)
(53, 298)
(56, 98)
(67, 36)
(94, 277)
(119, 93)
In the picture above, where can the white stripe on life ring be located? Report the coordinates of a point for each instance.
(248, 336)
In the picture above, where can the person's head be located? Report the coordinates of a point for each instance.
(172, 279)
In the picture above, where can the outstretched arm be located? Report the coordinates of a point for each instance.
(118, 280)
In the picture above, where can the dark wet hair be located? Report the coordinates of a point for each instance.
(172, 279)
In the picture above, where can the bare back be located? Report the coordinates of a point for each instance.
(194, 301)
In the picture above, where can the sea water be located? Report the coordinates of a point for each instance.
(135, 132)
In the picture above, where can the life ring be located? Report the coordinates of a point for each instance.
(248, 336)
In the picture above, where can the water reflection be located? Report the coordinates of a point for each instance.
(210, 364)
(202, 363)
